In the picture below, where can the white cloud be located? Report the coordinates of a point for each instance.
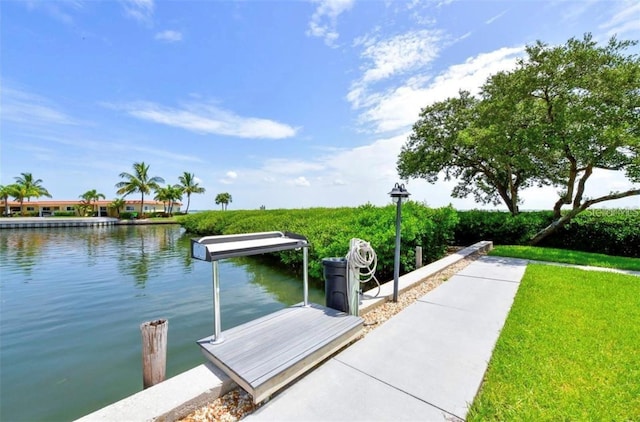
(24, 107)
(210, 119)
(231, 177)
(397, 108)
(60, 11)
(301, 181)
(463, 36)
(495, 18)
(371, 179)
(626, 19)
(140, 10)
(444, 3)
(87, 143)
(384, 59)
(400, 54)
(169, 36)
(324, 21)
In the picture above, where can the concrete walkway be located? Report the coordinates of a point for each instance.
(426, 363)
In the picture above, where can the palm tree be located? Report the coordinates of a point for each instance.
(117, 204)
(163, 196)
(27, 187)
(189, 186)
(170, 194)
(139, 181)
(224, 199)
(91, 197)
(5, 192)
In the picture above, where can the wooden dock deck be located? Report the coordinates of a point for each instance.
(264, 355)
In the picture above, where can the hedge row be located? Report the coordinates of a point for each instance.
(608, 231)
(330, 230)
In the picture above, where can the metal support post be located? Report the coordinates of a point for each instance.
(217, 325)
(305, 274)
(396, 261)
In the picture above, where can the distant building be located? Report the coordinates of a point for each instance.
(50, 207)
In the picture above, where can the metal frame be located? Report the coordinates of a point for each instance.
(214, 248)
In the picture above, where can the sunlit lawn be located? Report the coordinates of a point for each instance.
(569, 350)
(567, 256)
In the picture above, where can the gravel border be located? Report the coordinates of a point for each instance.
(237, 403)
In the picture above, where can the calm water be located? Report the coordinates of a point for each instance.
(72, 301)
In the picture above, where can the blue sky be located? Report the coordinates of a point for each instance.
(280, 103)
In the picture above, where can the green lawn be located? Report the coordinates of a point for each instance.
(569, 350)
(567, 256)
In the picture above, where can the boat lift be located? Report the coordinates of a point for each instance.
(265, 354)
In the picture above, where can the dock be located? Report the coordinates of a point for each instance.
(265, 354)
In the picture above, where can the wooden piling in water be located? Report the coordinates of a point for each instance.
(154, 351)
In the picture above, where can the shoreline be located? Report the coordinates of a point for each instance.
(61, 222)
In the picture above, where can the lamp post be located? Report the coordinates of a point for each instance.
(398, 193)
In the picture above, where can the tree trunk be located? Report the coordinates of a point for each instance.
(577, 209)
(550, 229)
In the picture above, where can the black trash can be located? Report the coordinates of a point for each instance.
(335, 283)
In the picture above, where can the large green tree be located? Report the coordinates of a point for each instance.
(91, 197)
(562, 113)
(26, 187)
(189, 186)
(223, 199)
(138, 181)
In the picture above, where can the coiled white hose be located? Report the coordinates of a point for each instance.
(362, 260)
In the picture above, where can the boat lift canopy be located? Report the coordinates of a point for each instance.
(214, 248)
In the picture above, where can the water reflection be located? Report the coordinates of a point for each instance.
(20, 250)
(282, 283)
(83, 292)
(138, 248)
(144, 250)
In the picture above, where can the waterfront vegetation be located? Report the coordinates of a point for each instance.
(611, 232)
(567, 256)
(568, 350)
(329, 231)
(606, 231)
